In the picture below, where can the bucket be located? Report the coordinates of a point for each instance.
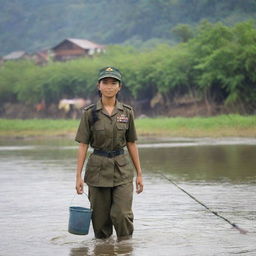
(79, 220)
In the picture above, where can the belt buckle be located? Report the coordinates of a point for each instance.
(111, 154)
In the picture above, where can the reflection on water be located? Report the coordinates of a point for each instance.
(207, 163)
(105, 247)
(37, 186)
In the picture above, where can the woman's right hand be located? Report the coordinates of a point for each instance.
(79, 185)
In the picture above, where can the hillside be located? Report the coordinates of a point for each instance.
(32, 24)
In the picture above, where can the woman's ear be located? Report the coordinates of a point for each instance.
(119, 89)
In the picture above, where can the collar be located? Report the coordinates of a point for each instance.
(119, 105)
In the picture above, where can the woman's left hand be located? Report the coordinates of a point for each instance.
(139, 184)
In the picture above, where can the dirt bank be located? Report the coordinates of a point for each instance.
(183, 109)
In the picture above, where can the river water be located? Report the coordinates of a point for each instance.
(37, 187)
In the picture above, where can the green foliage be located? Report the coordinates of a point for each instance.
(226, 60)
(218, 63)
(183, 31)
(11, 74)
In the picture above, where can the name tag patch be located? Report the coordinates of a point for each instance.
(122, 119)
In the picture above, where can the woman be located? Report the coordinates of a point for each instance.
(108, 127)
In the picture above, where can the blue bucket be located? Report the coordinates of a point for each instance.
(79, 220)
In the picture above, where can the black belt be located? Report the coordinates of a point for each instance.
(109, 154)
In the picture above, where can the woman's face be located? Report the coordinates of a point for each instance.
(109, 87)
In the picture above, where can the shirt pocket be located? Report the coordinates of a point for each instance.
(99, 135)
(92, 171)
(123, 166)
(121, 133)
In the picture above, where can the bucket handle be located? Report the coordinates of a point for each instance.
(80, 194)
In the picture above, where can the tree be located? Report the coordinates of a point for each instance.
(183, 31)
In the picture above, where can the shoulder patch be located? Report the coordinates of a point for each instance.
(88, 107)
(127, 106)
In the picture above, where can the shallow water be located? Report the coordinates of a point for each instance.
(37, 187)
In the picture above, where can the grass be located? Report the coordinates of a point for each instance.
(37, 127)
(219, 126)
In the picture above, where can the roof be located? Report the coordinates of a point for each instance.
(42, 53)
(85, 44)
(14, 55)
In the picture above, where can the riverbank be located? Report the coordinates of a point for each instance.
(218, 126)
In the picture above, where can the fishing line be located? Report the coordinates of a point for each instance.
(242, 231)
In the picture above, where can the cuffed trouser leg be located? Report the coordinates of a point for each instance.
(100, 199)
(121, 210)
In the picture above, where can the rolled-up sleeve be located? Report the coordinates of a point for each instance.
(83, 134)
(131, 134)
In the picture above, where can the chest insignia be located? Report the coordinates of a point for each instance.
(122, 119)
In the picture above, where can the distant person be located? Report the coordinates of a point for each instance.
(108, 127)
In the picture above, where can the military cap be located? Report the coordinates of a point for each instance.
(110, 72)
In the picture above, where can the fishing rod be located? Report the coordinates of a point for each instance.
(242, 231)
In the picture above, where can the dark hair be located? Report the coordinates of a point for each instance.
(95, 117)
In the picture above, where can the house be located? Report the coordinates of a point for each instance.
(18, 55)
(72, 48)
(41, 57)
